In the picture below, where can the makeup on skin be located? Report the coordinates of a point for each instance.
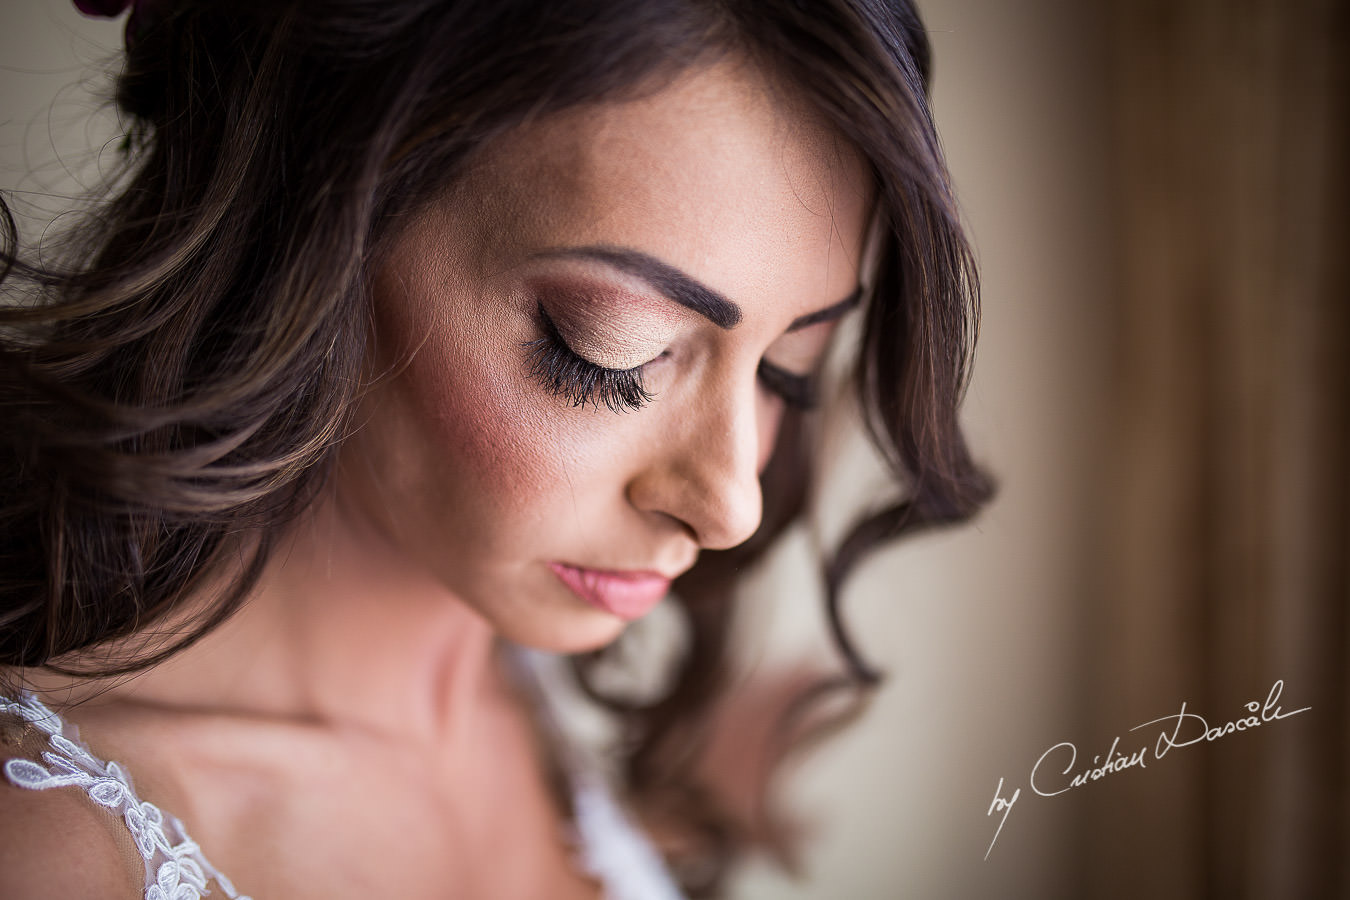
(617, 310)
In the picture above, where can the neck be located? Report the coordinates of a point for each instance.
(340, 631)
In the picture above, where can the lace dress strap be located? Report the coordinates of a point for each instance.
(175, 868)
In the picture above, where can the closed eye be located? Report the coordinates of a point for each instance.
(567, 374)
(797, 391)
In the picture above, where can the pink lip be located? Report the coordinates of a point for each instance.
(628, 595)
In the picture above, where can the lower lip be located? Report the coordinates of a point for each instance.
(628, 595)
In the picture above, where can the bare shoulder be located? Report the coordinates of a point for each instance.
(59, 843)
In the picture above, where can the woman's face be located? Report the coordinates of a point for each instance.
(583, 350)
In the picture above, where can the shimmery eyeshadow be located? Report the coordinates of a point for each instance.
(609, 324)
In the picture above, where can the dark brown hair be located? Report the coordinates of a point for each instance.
(186, 373)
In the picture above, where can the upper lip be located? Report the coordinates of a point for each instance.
(636, 572)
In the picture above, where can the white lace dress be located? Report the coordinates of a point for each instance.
(175, 868)
(611, 848)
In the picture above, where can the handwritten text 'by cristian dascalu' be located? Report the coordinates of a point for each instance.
(1050, 776)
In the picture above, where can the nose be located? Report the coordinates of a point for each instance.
(707, 475)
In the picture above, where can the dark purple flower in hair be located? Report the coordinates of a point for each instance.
(137, 23)
(104, 8)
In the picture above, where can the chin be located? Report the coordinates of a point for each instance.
(589, 632)
(589, 646)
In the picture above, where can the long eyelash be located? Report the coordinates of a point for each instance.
(797, 391)
(579, 381)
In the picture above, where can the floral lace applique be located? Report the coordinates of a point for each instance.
(175, 868)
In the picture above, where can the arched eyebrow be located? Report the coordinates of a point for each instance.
(829, 313)
(687, 291)
(665, 278)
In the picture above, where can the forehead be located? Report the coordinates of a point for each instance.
(719, 173)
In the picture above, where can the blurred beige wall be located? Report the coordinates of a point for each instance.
(977, 627)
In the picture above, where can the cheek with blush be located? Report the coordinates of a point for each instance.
(490, 449)
(458, 443)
